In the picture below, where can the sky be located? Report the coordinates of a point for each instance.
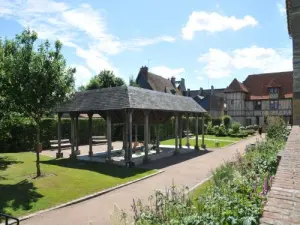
(205, 42)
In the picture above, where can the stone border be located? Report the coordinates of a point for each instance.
(87, 197)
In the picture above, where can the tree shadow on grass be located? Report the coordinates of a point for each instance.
(18, 196)
(6, 161)
(101, 168)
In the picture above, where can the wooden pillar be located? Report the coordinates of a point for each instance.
(130, 136)
(157, 138)
(146, 134)
(202, 130)
(176, 134)
(90, 134)
(59, 153)
(180, 131)
(187, 131)
(108, 135)
(126, 137)
(136, 133)
(149, 132)
(72, 137)
(77, 135)
(196, 132)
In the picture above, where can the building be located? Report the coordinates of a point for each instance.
(151, 81)
(259, 96)
(212, 100)
(293, 21)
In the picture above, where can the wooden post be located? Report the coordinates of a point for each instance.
(77, 135)
(180, 131)
(130, 136)
(196, 133)
(90, 134)
(176, 134)
(108, 135)
(136, 133)
(187, 131)
(202, 129)
(146, 135)
(72, 137)
(157, 138)
(59, 153)
(126, 137)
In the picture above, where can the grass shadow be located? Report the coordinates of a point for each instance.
(102, 168)
(18, 196)
(5, 162)
(169, 161)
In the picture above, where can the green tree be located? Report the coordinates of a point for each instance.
(104, 79)
(132, 82)
(35, 80)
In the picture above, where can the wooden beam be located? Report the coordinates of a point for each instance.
(196, 133)
(176, 134)
(72, 137)
(157, 138)
(90, 134)
(77, 134)
(203, 145)
(130, 136)
(108, 135)
(180, 131)
(146, 134)
(59, 153)
(188, 131)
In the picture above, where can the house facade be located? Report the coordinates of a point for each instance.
(293, 21)
(260, 96)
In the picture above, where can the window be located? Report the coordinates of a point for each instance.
(232, 102)
(274, 104)
(257, 105)
(273, 90)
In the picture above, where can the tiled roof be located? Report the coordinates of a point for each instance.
(258, 84)
(118, 98)
(288, 4)
(236, 86)
(159, 83)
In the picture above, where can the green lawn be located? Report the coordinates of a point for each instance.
(200, 190)
(223, 141)
(65, 180)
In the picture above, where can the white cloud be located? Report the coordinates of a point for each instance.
(82, 74)
(75, 26)
(219, 64)
(167, 72)
(281, 7)
(214, 22)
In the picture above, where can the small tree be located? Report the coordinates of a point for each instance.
(235, 127)
(226, 121)
(35, 80)
(132, 82)
(104, 79)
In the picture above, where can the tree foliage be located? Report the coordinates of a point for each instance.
(34, 79)
(104, 79)
(132, 82)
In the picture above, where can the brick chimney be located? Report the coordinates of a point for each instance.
(212, 90)
(144, 71)
(173, 80)
(201, 92)
(189, 92)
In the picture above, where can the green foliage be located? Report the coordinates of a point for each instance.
(235, 127)
(226, 121)
(132, 82)
(276, 128)
(104, 79)
(221, 131)
(209, 129)
(216, 121)
(216, 129)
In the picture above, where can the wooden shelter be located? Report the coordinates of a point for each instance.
(128, 105)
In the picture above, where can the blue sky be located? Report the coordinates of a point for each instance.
(205, 42)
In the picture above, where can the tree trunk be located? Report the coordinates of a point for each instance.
(38, 169)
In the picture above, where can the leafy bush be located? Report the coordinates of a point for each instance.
(250, 131)
(216, 129)
(235, 127)
(216, 121)
(226, 121)
(221, 131)
(255, 127)
(209, 129)
(276, 128)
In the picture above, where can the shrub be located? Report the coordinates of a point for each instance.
(236, 127)
(221, 131)
(276, 128)
(226, 121)
(216, 121)
(255, 127)
(250, 132)
(216, 129)
(209, 129)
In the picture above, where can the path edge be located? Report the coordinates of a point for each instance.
(87, 197)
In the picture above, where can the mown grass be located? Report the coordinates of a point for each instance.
(208, 143)
(63, 180)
